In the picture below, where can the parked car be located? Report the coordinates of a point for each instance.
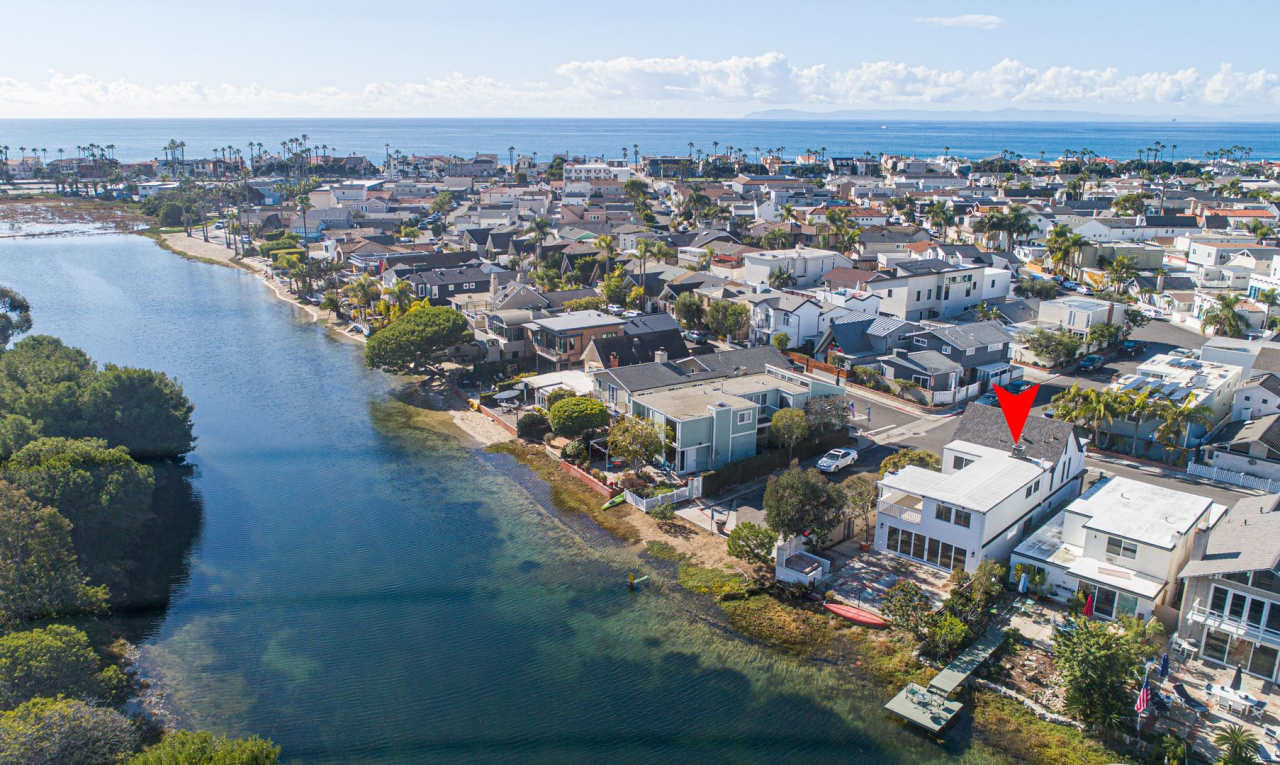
(1133, 347)
(1067, 284)
(1151, 311)
(695, 336)
(614, 309)
(837, 460)
(1017, 386)
(1185, 353)
(1083, 290)
(1090, 363)
(990, 399)
(630, 313)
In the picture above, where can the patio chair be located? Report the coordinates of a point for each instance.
(1191, 703)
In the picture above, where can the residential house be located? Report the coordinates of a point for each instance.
(652, 337)
(1122, 543)
(440, 285)
(979, 506)
(931, 289)
(1183, 382)
(861, 339)
(1231, 589)
(560, 340)
(777, 313)
(616, 386)
(1248, 447)
(1258, 397)
(722, 420)
(806, 265)
(963, 359)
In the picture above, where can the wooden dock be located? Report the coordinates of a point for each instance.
(929, 707)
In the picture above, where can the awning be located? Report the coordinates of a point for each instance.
(507, 395)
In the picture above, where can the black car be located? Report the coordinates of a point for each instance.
(1133, 347)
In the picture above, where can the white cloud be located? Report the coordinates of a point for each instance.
(963, 21)
(629, 86)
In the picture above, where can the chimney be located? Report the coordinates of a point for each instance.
(613, 360)
(1019, 451)
(660, 356)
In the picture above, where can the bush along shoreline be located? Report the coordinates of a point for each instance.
(91, 460)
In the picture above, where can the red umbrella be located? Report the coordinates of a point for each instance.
(1088, 605)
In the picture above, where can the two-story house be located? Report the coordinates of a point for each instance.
(956, 357)
(559, 341)
(438, 285)
(1122, 543)
(861, 338)
(931, 288)
(617, 386)
(725, 419)
(1231, 589)
(981, 503)
(783, 313)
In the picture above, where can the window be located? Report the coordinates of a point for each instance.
(995, 347)
(959, 463)
(890, 292)
(962, 518)
(946, 349)
(1029, 490)
(1236, 609)
(1215, 645)
(744, 417)
(920, 341)
(917, 294)
(1037, 486)
(1121, 548)
(942, 513)
(1218, 601)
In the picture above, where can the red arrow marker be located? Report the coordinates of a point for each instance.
(1016, 407)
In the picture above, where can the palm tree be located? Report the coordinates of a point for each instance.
(609, 248)
(1223, 318)
(363, 292)
(941, 217)
(1099, 408)
(1261, 230)
(1176, 421)
(988, 312)
(1063, 245)
(1173, 748)
(1138, 407)
(1239, 746)
(789, 213)
(780, 278)
(1120, 271)
(400, 293)
(538, 231)
(331, 303)
(642, 254)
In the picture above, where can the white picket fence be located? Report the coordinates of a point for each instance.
(691, 490)
(1230, 476)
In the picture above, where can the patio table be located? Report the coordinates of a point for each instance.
(1237, 699)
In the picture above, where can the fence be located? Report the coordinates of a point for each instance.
(691, 490)
(1229, 476)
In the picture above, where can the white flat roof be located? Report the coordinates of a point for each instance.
(1143, 512)
(979, 486)
(1114, 576)
(575, 380)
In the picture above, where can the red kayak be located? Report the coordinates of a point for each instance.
(856, 615)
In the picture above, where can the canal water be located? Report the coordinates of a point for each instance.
(356, 581)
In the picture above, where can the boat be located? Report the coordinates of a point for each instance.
(856, 615)
(615, 501)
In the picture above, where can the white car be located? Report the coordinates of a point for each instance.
(837, 460)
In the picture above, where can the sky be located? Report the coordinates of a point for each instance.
(515, 58)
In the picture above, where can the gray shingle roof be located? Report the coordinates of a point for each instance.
(638, 377)
(1244, 539)
(974, 335)
(1042, 437)
(933, 362)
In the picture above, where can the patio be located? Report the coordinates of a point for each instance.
(1196, 676)
(866, 576)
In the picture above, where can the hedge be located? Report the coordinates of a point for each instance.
(751, 468)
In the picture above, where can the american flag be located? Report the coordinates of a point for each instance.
(1144, 698)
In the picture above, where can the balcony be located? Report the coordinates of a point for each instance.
(905, 507)
(1237, 627)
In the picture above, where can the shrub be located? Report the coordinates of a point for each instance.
(171, 215)
(557, 395)
(532, 426)
(575, 451)
(576, 415)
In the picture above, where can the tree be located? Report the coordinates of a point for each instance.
(45, 662)
(781, 278)
(1239, 746)
(1131, 204)
(39, 576)
(727, 319)
(1063, 245)
(591, 303)
(573, 416)
(1055, 346)
(907, 607)
(1097, 664)
(1174, 749)
(802, 502)
(688, 310)
(781, 341)
(416, 339)
(777, 239)
(861, 497)
(1102, 335)
(789, 427)
(635, 441)
(66, 732)
(1037, 288)
(171, 215)
(1223, 318)
(752, 542)
(1176, 421)
(918, 457)
(142, 410)
(15, 315)
(1133, 318)
(16, 432)
(827, 414)
(614, 287)
(944, 633)
(532, 426)
(185, 747)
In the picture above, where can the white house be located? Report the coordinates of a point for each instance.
(1122, 541)
(806, 264)
(982, 503)
(774, 313)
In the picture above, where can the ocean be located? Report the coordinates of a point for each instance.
(142, 139)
